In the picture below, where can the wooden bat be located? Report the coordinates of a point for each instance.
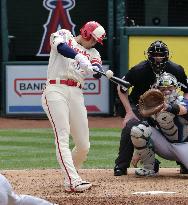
(114, 79)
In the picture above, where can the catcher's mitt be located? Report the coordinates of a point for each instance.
(151, 102)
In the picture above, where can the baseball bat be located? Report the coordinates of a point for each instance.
(114, 79)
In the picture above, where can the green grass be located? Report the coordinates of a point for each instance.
(34, 148)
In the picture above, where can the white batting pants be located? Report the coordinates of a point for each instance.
(64, 106)
(8, 197)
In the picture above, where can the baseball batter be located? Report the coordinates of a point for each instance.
(71, 60)
(9, 197)
(167, 136)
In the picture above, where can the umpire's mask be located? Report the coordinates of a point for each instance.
(158, 55)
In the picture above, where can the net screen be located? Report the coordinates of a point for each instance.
(157, 12)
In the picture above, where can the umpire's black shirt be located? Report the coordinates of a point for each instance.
(141, 77)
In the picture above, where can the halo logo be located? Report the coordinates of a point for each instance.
(58, 18)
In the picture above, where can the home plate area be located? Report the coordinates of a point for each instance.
(169, 187)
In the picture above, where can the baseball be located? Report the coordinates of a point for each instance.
(109, 74)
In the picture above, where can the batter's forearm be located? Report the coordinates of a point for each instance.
(66, 51)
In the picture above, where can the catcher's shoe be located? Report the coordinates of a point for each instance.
(145, 172)
(183, 169)
(78, 186)
(119, 171)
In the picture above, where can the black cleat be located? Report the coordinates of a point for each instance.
(119, 172)
(183, 169)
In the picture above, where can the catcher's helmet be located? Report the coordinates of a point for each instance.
(158, 55)
(166, 80)
(168, 85)
(94, 29)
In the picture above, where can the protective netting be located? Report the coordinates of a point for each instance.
(157, 12)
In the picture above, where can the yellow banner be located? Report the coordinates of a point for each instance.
(178, 47)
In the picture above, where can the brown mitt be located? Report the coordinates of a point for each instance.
(151, 102)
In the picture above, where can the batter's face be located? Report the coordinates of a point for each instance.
(89, 44)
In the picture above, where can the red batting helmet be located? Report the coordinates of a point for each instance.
(94, 29)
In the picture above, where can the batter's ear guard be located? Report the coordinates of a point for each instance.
(85, 34)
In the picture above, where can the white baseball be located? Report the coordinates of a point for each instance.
(109, 74)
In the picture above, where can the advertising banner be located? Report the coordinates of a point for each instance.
(25, 84)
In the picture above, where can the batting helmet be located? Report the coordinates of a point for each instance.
(158, 55)
(94, 29)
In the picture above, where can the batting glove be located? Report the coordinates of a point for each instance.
(98, 75)
(84, 63)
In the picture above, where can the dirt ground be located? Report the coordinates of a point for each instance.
(94, 122)
(169, 187)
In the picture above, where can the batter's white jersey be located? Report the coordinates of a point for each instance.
(61, 67)
(64, 105)
(9, 197)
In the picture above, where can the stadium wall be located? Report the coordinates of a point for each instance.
(131, 26)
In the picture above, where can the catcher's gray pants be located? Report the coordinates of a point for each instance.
(8, 197)
(170, 151)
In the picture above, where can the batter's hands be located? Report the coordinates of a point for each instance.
(96, 74)
(84, 63)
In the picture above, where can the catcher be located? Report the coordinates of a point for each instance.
(141, 77)
(165, 132)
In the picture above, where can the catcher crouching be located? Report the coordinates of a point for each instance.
(166, 130)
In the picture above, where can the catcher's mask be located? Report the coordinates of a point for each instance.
(166, 80)
(158, 55)
(167, 84)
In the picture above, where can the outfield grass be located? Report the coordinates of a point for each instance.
(34, 148)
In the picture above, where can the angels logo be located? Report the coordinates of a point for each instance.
(58, 18)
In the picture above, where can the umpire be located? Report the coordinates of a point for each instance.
(141, 77)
